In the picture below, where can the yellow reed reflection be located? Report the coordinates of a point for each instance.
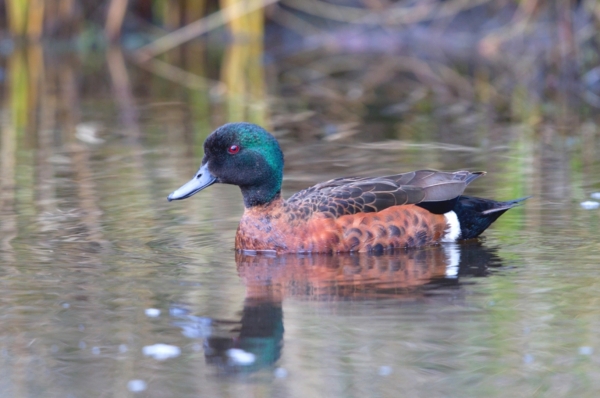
(243, 75)
(242, 69)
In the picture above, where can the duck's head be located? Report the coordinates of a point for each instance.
(241, 154)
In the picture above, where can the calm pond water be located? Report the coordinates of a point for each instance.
(98, 268)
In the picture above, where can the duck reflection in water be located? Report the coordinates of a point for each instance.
(430, 273)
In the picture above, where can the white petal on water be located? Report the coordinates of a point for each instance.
(590, 205)
(385, 371)
(123, 348)
(240, 357)
(585, 350)
(176, 311)
(86, 132)
(280, 373)
(152, 312)
(136, 385)
(161, 351)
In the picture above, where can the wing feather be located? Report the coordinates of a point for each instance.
(351, 195)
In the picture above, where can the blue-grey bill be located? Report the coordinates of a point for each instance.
(202, 180)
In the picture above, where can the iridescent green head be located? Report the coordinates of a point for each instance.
(241, 154)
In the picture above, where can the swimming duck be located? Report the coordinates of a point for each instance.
(341, 215)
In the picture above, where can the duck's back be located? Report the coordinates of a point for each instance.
(354, 195)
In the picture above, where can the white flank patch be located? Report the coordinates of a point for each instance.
(453, 230)
(452, 251)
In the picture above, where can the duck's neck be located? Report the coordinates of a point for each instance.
(262, 195)
(274, 206)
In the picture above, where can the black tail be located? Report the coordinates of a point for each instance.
(476, 214)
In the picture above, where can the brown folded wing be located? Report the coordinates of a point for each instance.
(352, 195)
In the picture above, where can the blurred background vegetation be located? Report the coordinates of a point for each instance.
(518, 77)
(509, 55)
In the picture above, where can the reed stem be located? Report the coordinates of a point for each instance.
(17, 16)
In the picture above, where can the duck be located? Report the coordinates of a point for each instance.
(348, 214)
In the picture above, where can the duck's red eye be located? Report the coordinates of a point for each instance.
(233, 149)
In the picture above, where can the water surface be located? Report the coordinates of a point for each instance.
(91, 145)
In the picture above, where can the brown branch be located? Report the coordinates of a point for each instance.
(114, 19)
